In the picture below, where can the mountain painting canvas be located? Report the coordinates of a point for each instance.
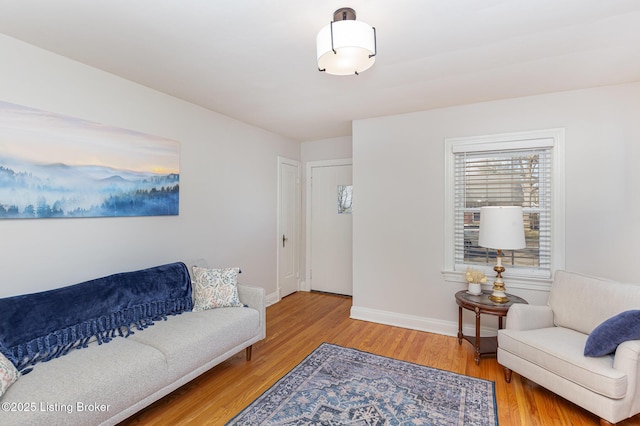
(55, 166)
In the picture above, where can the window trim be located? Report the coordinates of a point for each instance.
(498, 142)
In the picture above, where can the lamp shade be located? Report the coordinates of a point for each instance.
(346, 46)
(501, 227)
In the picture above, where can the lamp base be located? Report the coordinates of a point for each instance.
(498, 295)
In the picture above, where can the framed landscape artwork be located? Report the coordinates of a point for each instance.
(55, 166)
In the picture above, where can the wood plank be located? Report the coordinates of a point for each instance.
(301, 322)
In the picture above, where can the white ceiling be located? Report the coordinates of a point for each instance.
(254, 60)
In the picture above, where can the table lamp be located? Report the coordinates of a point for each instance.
(501, 228)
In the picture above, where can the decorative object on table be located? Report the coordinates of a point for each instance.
(501, 228)
(475, 279)
(346, 46)
(337, 385)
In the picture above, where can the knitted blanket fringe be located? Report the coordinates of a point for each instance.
(103, 329)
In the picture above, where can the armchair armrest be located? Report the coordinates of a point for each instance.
(529, 317)
(254, 298)
(627, 360)
(627, 353)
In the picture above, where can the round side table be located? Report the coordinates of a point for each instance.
(484, 346)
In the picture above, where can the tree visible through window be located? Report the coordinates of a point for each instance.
(502, 171)
(513, 178)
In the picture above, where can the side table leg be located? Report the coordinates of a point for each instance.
(459, 325)
(477, 358)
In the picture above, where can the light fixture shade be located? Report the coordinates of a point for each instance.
(501, 227)
(353, 49)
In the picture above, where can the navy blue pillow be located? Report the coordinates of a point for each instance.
(605, 338)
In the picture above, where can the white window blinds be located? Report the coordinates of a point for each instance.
(504, 174)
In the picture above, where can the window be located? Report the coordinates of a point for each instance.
(521, 169)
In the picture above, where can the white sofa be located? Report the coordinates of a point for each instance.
(546, 344)
(104, 384)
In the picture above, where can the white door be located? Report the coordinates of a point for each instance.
(331, 267)
(288, 226)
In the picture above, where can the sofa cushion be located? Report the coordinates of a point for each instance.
(215, 288)
(581, 302)
(193, 338)
(87, 386)
(559, 350)
(8, 374)
(606, 337)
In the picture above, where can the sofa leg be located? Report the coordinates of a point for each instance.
(507, 374)
(248, 352)
(604, 422)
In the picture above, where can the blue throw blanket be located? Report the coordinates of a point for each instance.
(42, 326)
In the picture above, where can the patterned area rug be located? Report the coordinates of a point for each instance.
(341, 386)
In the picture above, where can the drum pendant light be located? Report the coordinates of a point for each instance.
(346, 46)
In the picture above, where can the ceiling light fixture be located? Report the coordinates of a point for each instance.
(346, 46)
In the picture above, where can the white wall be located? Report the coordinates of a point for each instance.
(399, 176)
(326, 149)
(228, 182)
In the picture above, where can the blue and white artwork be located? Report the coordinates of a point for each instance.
(55, 166)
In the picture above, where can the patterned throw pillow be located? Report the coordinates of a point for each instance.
(215, 288)
(8, 374)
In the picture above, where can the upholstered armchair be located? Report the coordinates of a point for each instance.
(584, 345)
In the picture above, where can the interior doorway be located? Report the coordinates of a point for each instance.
(329, 226)
(288, 238)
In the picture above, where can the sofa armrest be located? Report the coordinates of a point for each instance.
(254, 297)
(529, 317)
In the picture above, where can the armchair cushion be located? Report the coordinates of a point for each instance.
(559, 350)
(581, 302)
(606, 337)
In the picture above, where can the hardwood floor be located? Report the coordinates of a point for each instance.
(300, 322)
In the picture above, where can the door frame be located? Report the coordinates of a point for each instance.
(296, 241)
(309, 173)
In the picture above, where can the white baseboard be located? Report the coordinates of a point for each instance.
(272, 298)
(414, 322)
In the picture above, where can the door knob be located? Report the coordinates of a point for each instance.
(284, 240)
